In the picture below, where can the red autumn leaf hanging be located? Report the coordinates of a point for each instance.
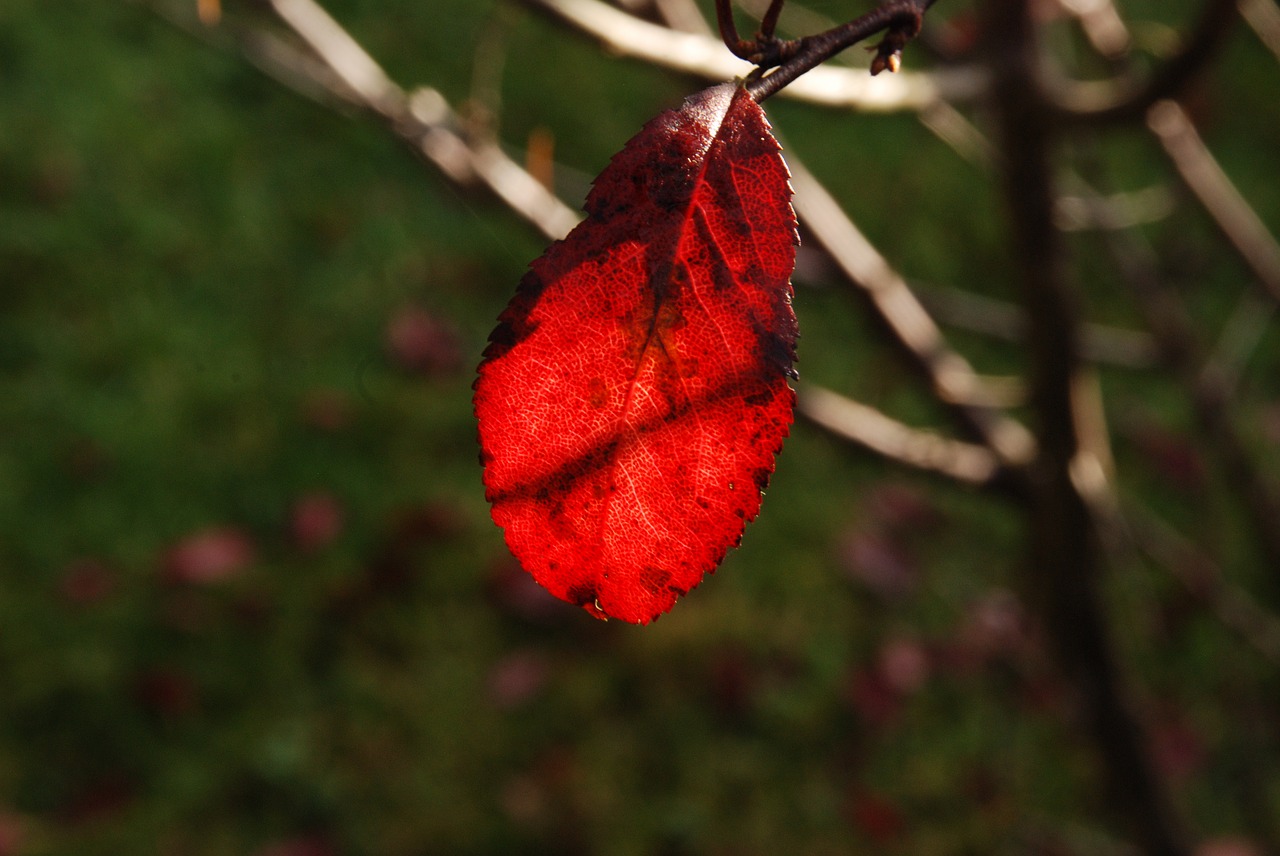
(634, 393)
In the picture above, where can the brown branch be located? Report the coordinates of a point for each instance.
(1212, 382)
(750, 50)
(1065, 554)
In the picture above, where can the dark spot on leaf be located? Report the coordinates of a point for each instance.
(582, 594)
(761, 477)
(654, 579)
(598, 392)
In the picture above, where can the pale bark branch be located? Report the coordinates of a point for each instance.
(1263, 17)
(1102, 25)
(423, 118)
(1234, 216)
(342, 54)
(916, 448)
(952, 379)
(1239, 340)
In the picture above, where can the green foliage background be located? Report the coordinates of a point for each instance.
(198, 271)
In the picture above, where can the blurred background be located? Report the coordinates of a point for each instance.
(251, 601)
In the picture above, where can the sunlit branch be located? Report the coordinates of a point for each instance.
(1264, 18)
(918, 449)
(1102, 25)
(952, 379)
(1205, 178)
(339, 68)
(682, 16)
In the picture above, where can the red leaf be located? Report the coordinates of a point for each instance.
(635, 392)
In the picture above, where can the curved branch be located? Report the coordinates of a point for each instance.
(901, 19)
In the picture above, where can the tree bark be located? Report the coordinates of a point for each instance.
(1065, 556)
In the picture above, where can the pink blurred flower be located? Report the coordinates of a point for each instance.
(315, 520)
(209, 556)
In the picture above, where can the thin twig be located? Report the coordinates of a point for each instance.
(1208, 385)
(1211, 382)
(801, 18)
(343, 55)
(424, 120)
(1239, 340)
(1102, 25)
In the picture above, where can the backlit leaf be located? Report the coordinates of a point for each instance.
(634, 393)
